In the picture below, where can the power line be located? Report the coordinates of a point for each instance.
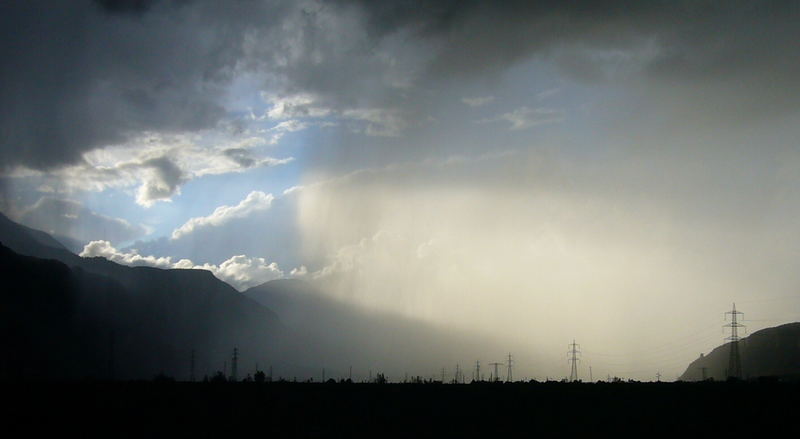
(235, 365)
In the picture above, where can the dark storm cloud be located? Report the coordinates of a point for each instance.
(734, 52)
(699, 36)
(125, 6)
(78, 75)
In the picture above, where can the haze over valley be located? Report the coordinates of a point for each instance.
(398, 186)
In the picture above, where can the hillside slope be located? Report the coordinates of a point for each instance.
(771, 352)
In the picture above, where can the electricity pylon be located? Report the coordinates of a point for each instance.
(734, 360)
(191, 367)
(573, 353)
(509, 377)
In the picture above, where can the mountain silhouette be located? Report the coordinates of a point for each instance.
(340, 334)
(72, 317)
(771, 352)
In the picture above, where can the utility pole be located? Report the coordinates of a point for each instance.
(478, 370)
(734, 361)
(442, 375)
(509, 376)
(573, 353)
(235, 365)
(191, 368)
(496, 376)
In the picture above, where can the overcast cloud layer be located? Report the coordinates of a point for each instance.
(540, 171)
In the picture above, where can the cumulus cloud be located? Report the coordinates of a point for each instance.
(254, 202)
(68, 218)
(240, 271)
(243, 272)
(258, 225)
(104, 249)
(300, 272)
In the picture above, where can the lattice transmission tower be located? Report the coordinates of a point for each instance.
(734, 360)
(573, 359)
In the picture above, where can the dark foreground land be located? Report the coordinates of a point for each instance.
(156, 409)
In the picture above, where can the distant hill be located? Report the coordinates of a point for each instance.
(28, 241)
(337, 334)
(71, 244)
(773, 352)
(67, 312)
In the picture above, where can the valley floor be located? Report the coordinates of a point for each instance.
(159, 409)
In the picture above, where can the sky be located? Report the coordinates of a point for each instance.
(618, 173)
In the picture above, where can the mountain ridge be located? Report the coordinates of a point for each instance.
(773, 352)
(162, 314)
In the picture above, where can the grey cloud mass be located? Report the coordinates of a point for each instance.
(74, 77)
(79, 75)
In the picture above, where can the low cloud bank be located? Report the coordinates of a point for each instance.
(240, 271)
